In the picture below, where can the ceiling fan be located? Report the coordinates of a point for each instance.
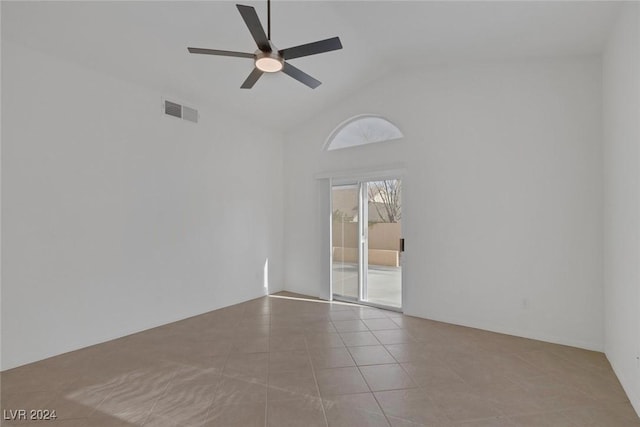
(268, 59)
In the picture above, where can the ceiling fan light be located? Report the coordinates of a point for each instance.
(269, 62)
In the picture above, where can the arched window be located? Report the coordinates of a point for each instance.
(362, 130)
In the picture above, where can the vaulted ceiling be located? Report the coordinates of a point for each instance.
(146, 41)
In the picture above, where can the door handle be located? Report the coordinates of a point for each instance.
(402, 245)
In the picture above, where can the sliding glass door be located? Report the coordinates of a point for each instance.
(345, 241)
(366, 249)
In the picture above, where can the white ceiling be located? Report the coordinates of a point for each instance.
(146, 42)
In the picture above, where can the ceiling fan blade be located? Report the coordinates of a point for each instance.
(300, 76)
(312, 48)
(220, 52)
(255, 27)
(252, 79)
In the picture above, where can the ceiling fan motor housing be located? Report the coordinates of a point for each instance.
(269, 62)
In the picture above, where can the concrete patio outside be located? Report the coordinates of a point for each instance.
(384, 283)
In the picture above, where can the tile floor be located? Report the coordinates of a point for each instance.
(283, 362)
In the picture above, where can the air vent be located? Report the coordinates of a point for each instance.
(173, 109)
(180, 111)
(190, 114)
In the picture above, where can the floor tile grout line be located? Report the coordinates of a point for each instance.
(370, 390)
(386, 417)
(315, 379)
(221, 378)
(493, 406)
(401, 367)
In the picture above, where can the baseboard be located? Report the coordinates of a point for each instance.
(125, 333)
(587, 345)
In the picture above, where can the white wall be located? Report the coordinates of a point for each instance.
(117, 218)
(621, 71)
(503, 193)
